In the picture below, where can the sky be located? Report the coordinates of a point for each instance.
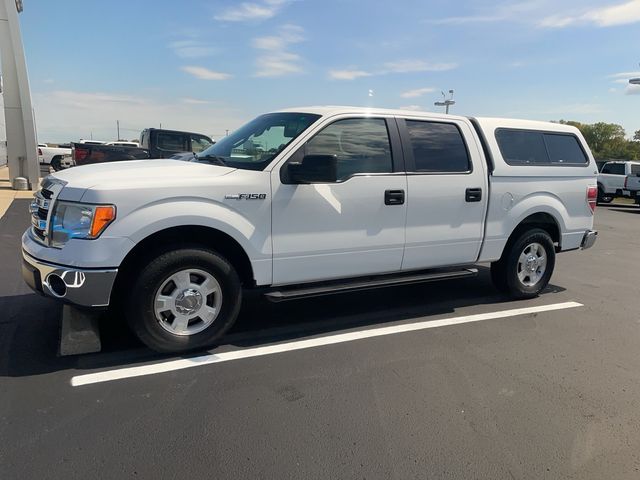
(209, 66)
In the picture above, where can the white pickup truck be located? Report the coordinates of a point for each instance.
(54, 156)
(612, 177)
(632, 184)
(307, 202)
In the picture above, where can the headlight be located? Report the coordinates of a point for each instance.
(79, 220)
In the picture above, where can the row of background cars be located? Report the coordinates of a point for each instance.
(618, 178)
(154, 143)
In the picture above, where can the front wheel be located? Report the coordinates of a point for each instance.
(526, 265)
(183, 300)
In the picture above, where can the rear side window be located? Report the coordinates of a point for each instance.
(526, 147)
(438, 147)
(174, 142)
(635, 169)
(614, 169)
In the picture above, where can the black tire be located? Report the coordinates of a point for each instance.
(139, 306)
(604, 197)
(56, 164)
(504, 272)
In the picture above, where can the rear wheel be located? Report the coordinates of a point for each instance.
(184, 299)
(56, 164)
(526, 265)
(604, 197)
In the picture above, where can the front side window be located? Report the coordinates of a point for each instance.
(438, 147)
(254, 145)
(361, 145)
(199, 143)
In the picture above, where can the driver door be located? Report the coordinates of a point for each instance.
(346, 228)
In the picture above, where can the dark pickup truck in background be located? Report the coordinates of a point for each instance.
(154, 143)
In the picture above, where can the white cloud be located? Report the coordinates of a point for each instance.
(398, 66)
(407, 66)
(204, 73)
(413, 108)
(69, 115)
(192, 49)
(568, 13)
(196, 101)
(278, 64)
(621, 14)
(515, 12)
(48, 80)
(348, 74)
(613, 90)
(418, 92)
(625, 75)
(274, 60)
(632, 90)
(251, 12)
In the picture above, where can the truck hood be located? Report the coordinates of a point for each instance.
(136, 174)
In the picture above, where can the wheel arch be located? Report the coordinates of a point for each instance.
(541, 220)
(186, 236)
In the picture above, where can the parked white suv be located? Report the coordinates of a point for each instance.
(307, 202)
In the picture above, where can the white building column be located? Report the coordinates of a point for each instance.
(21, 136)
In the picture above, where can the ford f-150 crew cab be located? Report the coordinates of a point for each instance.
(307, 202)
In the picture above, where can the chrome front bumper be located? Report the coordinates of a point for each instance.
(589, 239)
(84, 287)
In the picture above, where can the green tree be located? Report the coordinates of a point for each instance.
(636, 136)
(607, 140)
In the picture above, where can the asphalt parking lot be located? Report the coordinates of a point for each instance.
(543, 394)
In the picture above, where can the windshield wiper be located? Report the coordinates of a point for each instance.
(212, 159)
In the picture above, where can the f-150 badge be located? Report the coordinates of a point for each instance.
(246, 196)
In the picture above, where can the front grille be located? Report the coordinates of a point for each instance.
(41, 206)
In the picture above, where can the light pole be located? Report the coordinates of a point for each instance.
(20, 126)
(446, 103)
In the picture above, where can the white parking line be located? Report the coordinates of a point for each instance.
(171, 365)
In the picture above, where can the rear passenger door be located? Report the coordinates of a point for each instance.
(612, 177)
(447, 193)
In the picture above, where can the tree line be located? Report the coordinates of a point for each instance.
(608, 140)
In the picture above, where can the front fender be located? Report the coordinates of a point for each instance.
(251, 228)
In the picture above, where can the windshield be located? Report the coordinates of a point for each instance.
(255, 144)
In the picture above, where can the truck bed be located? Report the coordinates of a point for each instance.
(84, 154)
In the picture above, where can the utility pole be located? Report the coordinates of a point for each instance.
(446, 103)
(226, 133)
(118, 128)
(21, 135)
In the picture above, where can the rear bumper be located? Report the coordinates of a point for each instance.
(83, 287)
(589, 239)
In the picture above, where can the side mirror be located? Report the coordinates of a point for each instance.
(314, 169)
